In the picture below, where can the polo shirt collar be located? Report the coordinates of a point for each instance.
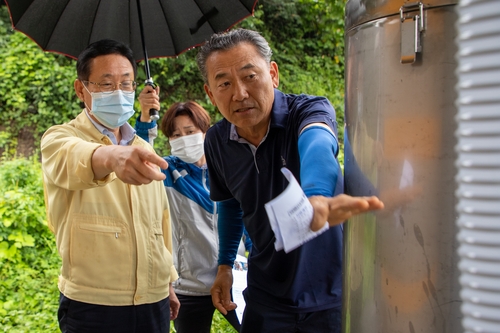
(279, 113)
(233, 135)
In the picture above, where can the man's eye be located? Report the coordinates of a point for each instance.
(106, 85)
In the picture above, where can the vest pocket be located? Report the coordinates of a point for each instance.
(162, 259)
(101, 255)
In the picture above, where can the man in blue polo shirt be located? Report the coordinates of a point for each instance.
(263, 131)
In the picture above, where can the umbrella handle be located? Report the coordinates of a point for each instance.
(153, 113)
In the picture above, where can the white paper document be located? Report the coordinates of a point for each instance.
(290, 215)
(239, 284)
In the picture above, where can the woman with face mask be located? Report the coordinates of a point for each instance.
(193, 214)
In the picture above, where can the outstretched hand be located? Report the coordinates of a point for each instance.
(337, 209)
(132, 164)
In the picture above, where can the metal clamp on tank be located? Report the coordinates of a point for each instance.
(411, 26)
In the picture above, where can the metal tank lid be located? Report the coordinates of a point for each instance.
(362, 11)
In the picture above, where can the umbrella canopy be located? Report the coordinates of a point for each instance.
(151, 28)
(170, 26)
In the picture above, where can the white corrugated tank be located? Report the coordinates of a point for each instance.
(478, 163)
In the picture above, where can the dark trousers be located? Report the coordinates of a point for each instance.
(78, 317)
(195, 315)
(263, 319)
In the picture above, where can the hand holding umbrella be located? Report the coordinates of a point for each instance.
(149, 98)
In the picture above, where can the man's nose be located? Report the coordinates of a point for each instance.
(239, 91)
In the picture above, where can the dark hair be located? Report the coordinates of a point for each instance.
(227, 40)
(193, 110)
(100, 48)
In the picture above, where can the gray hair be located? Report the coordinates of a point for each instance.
(227, 40)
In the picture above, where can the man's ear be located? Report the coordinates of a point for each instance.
(79, 89)
(210, 95)
(275, 75)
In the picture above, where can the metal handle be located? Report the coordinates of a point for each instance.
(153, 113)
(411, 27)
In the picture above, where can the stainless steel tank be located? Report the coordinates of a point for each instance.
(401, 265)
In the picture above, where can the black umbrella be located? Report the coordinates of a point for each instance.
(166, 27)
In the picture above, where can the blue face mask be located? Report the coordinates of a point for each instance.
(113, 109)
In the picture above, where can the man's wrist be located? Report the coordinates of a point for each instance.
(225, 268)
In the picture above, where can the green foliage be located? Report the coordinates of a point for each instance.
(7, 144)
(307, 38)
(220, 324)
(29, 260)
(22, 212)
(29, 297)
(37, 88)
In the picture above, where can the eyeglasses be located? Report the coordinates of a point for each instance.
(108, 87)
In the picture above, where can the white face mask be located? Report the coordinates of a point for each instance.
(188, 148)
(112, 109)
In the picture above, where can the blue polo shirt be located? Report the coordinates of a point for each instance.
(310, 277)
